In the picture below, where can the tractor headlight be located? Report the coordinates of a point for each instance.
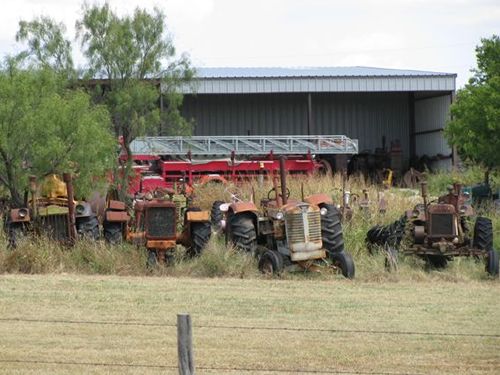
(323, 211)
(462, 210)
(280, 215)
(23, 212)
(80, 209)
(415, 213)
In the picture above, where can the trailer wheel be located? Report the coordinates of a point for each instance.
(391, 258)
(331, 230)
(216, 216)
(88, 227)
(343, 261)
(200, 235)
(242, 233)
(271, 263)
(113, 233)
(492, 263)
(483, 234)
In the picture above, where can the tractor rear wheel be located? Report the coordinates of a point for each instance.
(483, 234)
(271, 263)
(241, 232)
(492, 263)
(113, 233)
(343, 261)
(88, 228)
(331, 230)
(200, 235)
(216, 216)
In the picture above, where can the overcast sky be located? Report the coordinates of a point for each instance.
(434, 35)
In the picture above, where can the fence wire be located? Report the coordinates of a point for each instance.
(292, 329)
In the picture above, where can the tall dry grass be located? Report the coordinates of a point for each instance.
(43, 256)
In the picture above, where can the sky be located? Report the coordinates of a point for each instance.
(431, 35)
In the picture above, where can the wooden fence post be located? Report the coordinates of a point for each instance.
(185, 345)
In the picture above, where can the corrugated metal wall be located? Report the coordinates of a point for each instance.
(431, 114)
(363, 116)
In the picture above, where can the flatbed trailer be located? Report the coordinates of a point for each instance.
(230, 158)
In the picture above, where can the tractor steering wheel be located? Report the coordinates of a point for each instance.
(275, 194)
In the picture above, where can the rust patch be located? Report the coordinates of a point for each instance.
(160, 244)
(116, 205)
(317, 199)
(117, 216)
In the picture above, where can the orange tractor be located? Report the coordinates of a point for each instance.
(159, 222)
(289, 233)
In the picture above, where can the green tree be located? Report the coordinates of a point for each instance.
(47, 46)
(475, 124)
(48, 129)
(135, 57)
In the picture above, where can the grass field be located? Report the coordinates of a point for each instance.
(336, 326)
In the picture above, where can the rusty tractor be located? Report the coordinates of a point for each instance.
(159, 222)
(52, 211)
(289, 233)
(437, 231)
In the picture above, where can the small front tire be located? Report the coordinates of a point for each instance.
(492, 263)
(271, 263)
(343, 261)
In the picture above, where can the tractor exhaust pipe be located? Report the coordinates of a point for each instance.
(33, 187)
(283, 179)
(71, 206)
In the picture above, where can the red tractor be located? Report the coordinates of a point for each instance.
(438, 231)
(289, 233)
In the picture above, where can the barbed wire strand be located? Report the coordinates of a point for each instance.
(202, 368)
(331, 330)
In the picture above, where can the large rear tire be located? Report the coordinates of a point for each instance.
(331, 230)
(113, 233)
(343, 261)
(88, 228)
(200, 235)
(483, 234)
(241, 232)
(216, 216)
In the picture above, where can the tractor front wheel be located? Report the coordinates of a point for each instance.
(492, 263)
(271, 263)
(343, 261)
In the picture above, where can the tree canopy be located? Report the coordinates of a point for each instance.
(474, 127)
(48, 129)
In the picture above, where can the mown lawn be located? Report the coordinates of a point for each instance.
(54, 324)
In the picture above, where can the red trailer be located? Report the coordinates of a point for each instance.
(165, 161)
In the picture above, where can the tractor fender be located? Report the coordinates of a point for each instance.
(317, 199)
(240, 207)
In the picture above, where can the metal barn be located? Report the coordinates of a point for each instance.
(375, 106)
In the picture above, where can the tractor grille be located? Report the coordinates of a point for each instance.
(160, 222)
(296, 227)
(55, 226)
(442, 224)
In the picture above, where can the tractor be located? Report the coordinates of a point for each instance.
(161, 220)
(288, 233)
(52, 211)
(437, 231)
